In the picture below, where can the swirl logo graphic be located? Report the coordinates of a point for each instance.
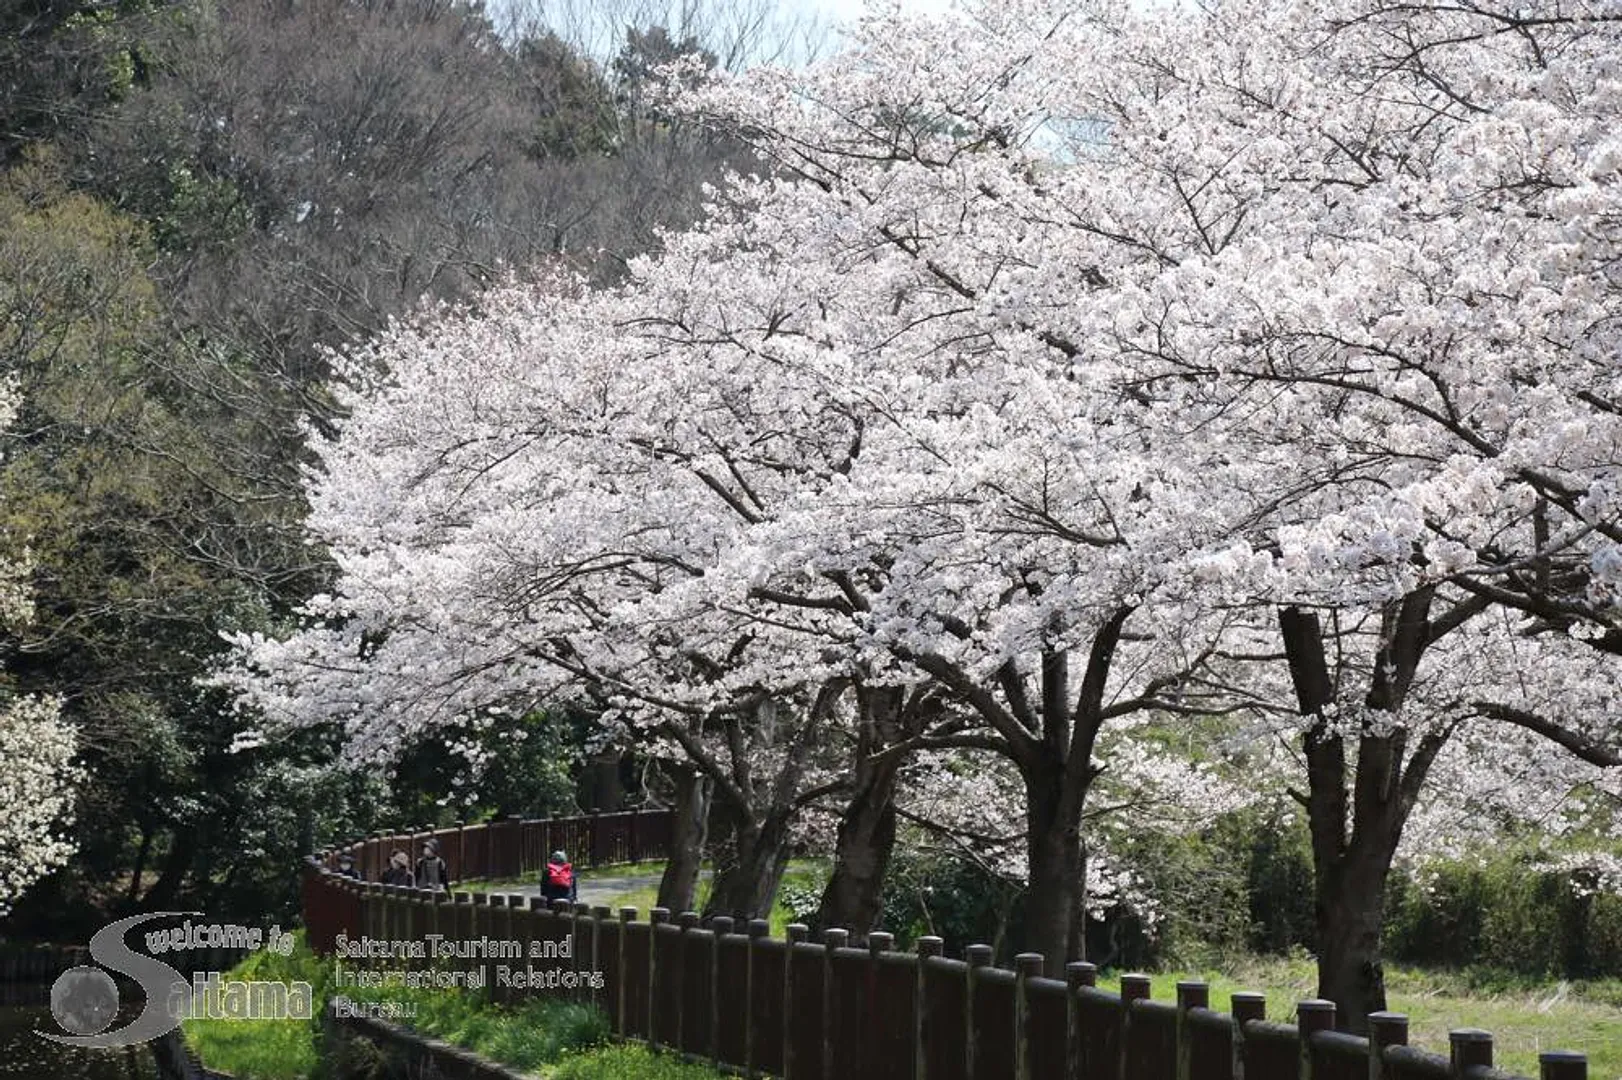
(84, 999)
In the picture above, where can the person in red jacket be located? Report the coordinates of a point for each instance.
(558, 881)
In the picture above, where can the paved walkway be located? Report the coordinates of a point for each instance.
(599, 889)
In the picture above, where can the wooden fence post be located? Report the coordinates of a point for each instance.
(831, 940)
(656, 918)
(758, 929)
(1244, 1006)
(927, 947)
(720, 926)
(1026, 966)
(1077, 974)
(1469, 1048)
(461, 916)
(795, 933)
(978, 956)
(1385, 1029)
(498, 917)
(1562, 1065)
(1134, 987)
(600, 914)
(1190, 995)
(481, 929)
(578, 913)
(687, 920)
(627, 917)
(1312, 1016)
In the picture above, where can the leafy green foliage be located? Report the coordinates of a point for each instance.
(1505, 912)
(933, 892)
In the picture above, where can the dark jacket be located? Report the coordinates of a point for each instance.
(398, 875)
(559, 883)
(432, 873)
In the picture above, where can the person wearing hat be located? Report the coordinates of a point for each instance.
(346, 866)
(399, 871)
(432, 873)
(558, 880)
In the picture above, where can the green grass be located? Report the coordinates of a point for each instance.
(1524, 1017)
(805, 873)
(254, 1049)
(627, 1062)
(267, 1049)
(554, 1039)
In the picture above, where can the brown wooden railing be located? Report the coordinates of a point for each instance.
(518, 847)
(733, 996)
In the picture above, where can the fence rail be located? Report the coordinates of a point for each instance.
(726, 993)
(517, 847)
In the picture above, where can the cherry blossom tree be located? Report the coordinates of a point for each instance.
(1369, 250)
(1079, 364)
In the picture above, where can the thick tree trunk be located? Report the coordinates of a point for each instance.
(1053, 832)
(176, 865)
(1350, 910)
(1356, 819)
(600, 787)
(746, 887)
(690, 813)
(1078, 909)
(854, 895)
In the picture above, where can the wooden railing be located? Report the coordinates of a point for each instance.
(517, 847)
(729, 994)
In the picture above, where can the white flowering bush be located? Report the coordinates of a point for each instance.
(37, 774)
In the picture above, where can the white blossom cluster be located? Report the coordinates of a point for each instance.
(1054, 318)
(37, 790)
(38, 779)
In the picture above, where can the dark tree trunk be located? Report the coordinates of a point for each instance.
(746, 887)
(141, 853)
(1053, 832)
(1051, 743)
(1356, 821)
(601, 788)
(690, 812)
(1058, 772)
(1350, 909)
(1078, 908)
(854, 895)
(176, 864)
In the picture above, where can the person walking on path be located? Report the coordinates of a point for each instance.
(432, 873)
(346, 866)
(399, 871)
(558, 880)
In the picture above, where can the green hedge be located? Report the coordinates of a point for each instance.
(1506, 912)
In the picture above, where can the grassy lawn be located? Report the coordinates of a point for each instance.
(802, 874)
(547, 1037)
(1523, 1018)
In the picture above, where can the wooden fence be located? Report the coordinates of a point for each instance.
(801, 1010)
(519, 847)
